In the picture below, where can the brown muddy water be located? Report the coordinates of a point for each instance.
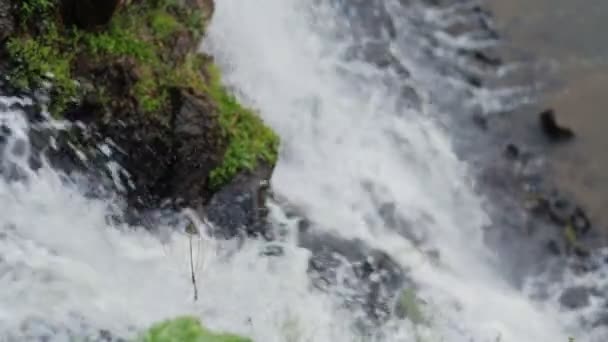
(572, 37)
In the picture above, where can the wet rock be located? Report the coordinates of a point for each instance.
(575, 297)
(602, 320)
(473, 81)
(372, 17)
(485, 58)
(552, 130)
(168, 155)
(480, 121)
(197, 146)
(304, 225)
(372, 277)
(238, 209)
(580, 221)
(394, 221)
(554, 248)
(7, 21)
(89, 14)
(87, 110)
(380, 55)
(511, 151)
(273, 250)
(581, 252)
(560, 210)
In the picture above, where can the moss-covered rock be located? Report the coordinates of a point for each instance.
(186, 329)
(133, 75)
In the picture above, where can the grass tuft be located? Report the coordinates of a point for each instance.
(250, 140)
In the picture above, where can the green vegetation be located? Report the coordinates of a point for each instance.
(408, 307)
(186, 329)
(41, 59)
(250, 140)
(29, 9)
(163, 24)
(145, 33)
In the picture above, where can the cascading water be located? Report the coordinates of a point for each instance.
(356, 147)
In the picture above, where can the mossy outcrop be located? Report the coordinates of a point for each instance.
(186, 329)
(131, 71)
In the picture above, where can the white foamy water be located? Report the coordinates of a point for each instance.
(349, 144)
(66, 273)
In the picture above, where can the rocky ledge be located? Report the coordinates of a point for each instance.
(130, 77)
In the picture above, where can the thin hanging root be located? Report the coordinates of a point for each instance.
(193, 275)
(193, 230)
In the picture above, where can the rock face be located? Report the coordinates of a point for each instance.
(373, 277)
(238, 208)
(7, 22)
(168, 158)
(575, 298)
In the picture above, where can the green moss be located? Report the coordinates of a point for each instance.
(119, 42)
(250, 141)
(408, 307)
(41, 59)
(186, 329)
(29, 9)
(139, 32)
(163, 24)
(570, 235)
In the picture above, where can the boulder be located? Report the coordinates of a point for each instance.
(575, 297)
(238, 208)
(552, 130)
(167, 155)
(373, 276)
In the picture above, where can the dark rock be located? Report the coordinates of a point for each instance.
(372, 275)
(602, 320)
(394, 221)
(90, 108)
(7, 21)
(474, 81)
(198, 146)
(511, 151)
(303, 225)
(553, 248)
(238, 208)
(169, 154)
(553, 131)
(580, 222)
(273, 251)
(575, 297)
(485, 58)
(182, 43)
(480, 121)
(582, 252)
(89, 14)
(560, 210)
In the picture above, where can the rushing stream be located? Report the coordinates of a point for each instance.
(368, 116)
